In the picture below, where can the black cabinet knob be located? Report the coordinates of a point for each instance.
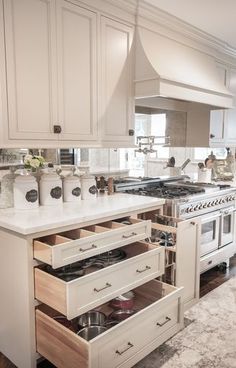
(56, 129)
(131, 132)
(212, 136)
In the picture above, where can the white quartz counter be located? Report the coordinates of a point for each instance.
(46, 218)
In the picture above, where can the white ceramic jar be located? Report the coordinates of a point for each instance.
(50, 189)
(71, 188)
(26, 194)
(88, 187)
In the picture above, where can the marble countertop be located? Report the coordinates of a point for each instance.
(45, 218)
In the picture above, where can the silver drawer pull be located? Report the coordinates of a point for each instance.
(124, 351)
(145, 269)
(85, 250)
(105, 287)
(129, 236)
(167, 319)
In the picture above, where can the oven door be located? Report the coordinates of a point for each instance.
(227, 226)
(210, 230)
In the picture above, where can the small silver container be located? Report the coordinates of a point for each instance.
(92, 318)
(89, 333)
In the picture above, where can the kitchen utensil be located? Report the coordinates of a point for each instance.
(201, 165)
(186, 162)
(124, 301)
(92, 318)
(121, 314)
(89, 333)
(172, 161)
(67, 273)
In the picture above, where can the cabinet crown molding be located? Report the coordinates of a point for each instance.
(150, 16)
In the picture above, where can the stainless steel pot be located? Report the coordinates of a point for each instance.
(90, 332)
(92, 318)
(121, 314)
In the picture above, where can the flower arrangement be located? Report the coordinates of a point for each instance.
(33, 162)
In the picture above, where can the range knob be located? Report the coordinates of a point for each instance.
(200, 206)
(209, 204)
(196, 207)
(204, 205)
(216, 201)
(189, 209)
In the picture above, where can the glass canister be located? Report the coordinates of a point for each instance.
(50, 189)
(7, 197)
(71, 188)
(88, 187)
(25, 190)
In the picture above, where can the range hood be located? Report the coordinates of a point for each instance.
(167, 68)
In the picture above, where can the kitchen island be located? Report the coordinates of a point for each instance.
(59, 236)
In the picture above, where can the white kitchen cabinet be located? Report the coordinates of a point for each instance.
(231, 113)
(65, 64)
(116, 85)
(31, 68)
(77, 72)
(217, 117)
(182, 258)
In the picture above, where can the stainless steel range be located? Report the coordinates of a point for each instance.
(214, 204)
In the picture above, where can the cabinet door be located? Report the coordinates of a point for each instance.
(187, 260)
(231, 113)
(77, 71)
(117, 111)
(217, 117)
(31, 68)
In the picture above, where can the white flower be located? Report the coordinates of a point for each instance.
(27, 159)
(34, 162)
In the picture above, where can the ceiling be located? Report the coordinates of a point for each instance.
(217, 17)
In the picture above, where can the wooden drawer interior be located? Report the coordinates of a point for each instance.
(96, 229)
(112, 225)
(144, 296)
(76, 234)
(52, 240)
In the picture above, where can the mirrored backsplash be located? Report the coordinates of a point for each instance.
(123, 161)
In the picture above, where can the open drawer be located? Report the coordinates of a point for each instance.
(62, 249)
(158, 312)
(141, 263)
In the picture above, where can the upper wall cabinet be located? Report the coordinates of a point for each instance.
(231, 113)
(65, 64)
(217, 117)
(31, 68)
(117, 101)
(77, 71)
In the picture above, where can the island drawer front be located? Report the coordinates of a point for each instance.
(78, 296)
(59, 249)
(111, 349)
